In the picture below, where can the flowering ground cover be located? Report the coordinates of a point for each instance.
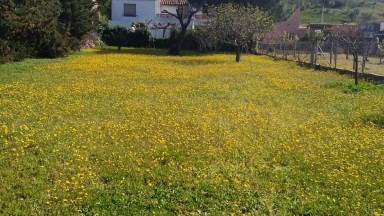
(138, 132)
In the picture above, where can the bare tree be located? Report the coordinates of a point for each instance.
(185, 11)
(350, 37)
(163, 26)
(238, 25)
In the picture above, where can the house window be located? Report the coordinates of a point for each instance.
(130, 10)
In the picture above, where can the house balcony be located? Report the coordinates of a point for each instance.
(169, 17)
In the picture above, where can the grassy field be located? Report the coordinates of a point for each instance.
(137, 132)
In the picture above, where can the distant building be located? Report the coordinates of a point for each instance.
(127, 12)
(290, 26)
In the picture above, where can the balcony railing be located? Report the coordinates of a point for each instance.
(167, 16)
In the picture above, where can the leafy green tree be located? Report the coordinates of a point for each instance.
(352, 15)
(78, 18)
(30, 28)
(279, 9)
(238, 25)
(104, 8)
(45, 28)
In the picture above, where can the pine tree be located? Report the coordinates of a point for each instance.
(30, 29)
(78, 17)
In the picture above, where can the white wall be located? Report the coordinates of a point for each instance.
(145, 10)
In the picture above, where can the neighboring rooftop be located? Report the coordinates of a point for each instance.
(173, 2)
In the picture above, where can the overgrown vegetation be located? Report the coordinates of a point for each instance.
(136, 131)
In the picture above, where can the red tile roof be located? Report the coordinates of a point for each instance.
(173, 2)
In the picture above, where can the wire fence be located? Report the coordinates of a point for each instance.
(328, 54)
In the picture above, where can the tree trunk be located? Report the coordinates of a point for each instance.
(238, 52)
(274, 50)
(257, 47)
(176, 48)
(281, 49)
(347, 54)
(356, 67)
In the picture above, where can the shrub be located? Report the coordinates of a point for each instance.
(162, 43)
(139, 38)
(121, 36)
(190, 42)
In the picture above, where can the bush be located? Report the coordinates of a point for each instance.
(163, 43)
(139, 38)
(5, 52)
(121, 36)
(190, 41)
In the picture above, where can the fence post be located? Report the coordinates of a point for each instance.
(335, 54)
(330, 53)
(313, 53)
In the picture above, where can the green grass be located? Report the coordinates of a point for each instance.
(137, 132)
(351, 87)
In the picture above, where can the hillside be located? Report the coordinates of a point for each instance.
(363, 11)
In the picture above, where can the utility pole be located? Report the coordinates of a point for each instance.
(322, 15)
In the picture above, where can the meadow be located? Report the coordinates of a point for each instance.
(137, 132)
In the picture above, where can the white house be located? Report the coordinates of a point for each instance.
(126, 12)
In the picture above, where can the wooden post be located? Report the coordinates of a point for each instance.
(335, 54)
(330, 53)
(313, 54)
